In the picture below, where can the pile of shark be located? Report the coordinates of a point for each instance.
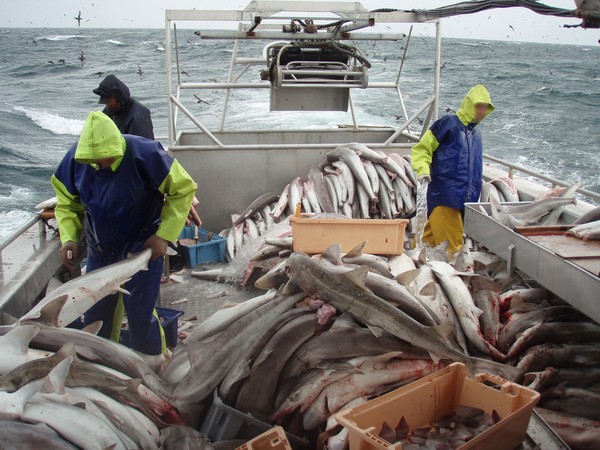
(334, 330)
(353, 180)
(330, 331)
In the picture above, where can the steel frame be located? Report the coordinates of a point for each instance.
(251, 25)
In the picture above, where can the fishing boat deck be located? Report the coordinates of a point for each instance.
(200, 298)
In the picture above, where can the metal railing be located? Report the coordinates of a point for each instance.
(21, 230)
(553, 181)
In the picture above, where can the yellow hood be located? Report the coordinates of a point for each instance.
(477, 94)
(100, 138)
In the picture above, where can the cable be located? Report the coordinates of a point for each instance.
(348, 49)
(471, 7)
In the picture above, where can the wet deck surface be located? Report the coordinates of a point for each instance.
(201, 298)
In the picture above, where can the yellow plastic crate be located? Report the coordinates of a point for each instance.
(274, 439)
(438, 395)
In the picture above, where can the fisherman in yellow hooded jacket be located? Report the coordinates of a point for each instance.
(449, 157)
(129, 194)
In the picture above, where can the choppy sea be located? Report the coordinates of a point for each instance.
(547, 97)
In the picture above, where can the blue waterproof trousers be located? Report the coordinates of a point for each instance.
(144, 327)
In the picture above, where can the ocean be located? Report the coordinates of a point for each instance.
(547, 98)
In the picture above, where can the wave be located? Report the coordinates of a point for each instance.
(115, 42)
(11, 221)
(61, 37)
(52, 122)
(17, 195)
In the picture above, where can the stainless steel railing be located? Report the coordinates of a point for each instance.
(512, 168)
(36, 218)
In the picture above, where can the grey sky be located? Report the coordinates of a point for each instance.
(495, 24)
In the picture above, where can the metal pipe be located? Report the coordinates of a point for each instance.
(346, 10)
(242, 72)
(553, 181)
(376, 85)
(251, 61)
(438, 68)
(346, 73)
(195, 121)
(42, 232)
(427, 120)
(236, 44)
(401, 100)
(171, 123)
(410, 120)
(267, 35)
(175, 113)
(404, 54)
(177, 55)
(282, 146)
(352, 111)
(19, 231)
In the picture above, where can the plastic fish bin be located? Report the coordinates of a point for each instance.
(223, 423)
(274, 439)
(384, 236)
(168, 320)
(437, 395)
(210, 247)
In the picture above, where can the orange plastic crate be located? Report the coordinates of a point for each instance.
(274, 439)
(384, 236)
(437, 395)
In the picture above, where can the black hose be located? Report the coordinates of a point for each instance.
(471, 7)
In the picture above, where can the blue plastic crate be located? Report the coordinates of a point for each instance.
(168, 320)
(210, 247)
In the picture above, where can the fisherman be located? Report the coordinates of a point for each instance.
(132, 195)
(449, 159)
(130, 116)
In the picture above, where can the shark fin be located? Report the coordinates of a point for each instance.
(67, 350)
(289, 288)
(435, 358)
(345, 322)
(447, 333)
(122, 291)
(93, 328)
(21, 396)
(19, 337)
(377, 332)
(422, 257)
(356, 251)
(134, 384)
(484, 284)
(55, 380)
(333, 254)
(358, 276)
(228, 304)
(407, 277)
(50, 311)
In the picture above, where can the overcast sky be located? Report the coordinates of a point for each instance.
(495, 24)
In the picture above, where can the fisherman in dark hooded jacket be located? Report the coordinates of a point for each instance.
(130, 116)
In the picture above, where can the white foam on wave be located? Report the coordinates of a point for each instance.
(115, 42)
(11, 220)
(18, 195)
(52, 122)
(61, 37)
